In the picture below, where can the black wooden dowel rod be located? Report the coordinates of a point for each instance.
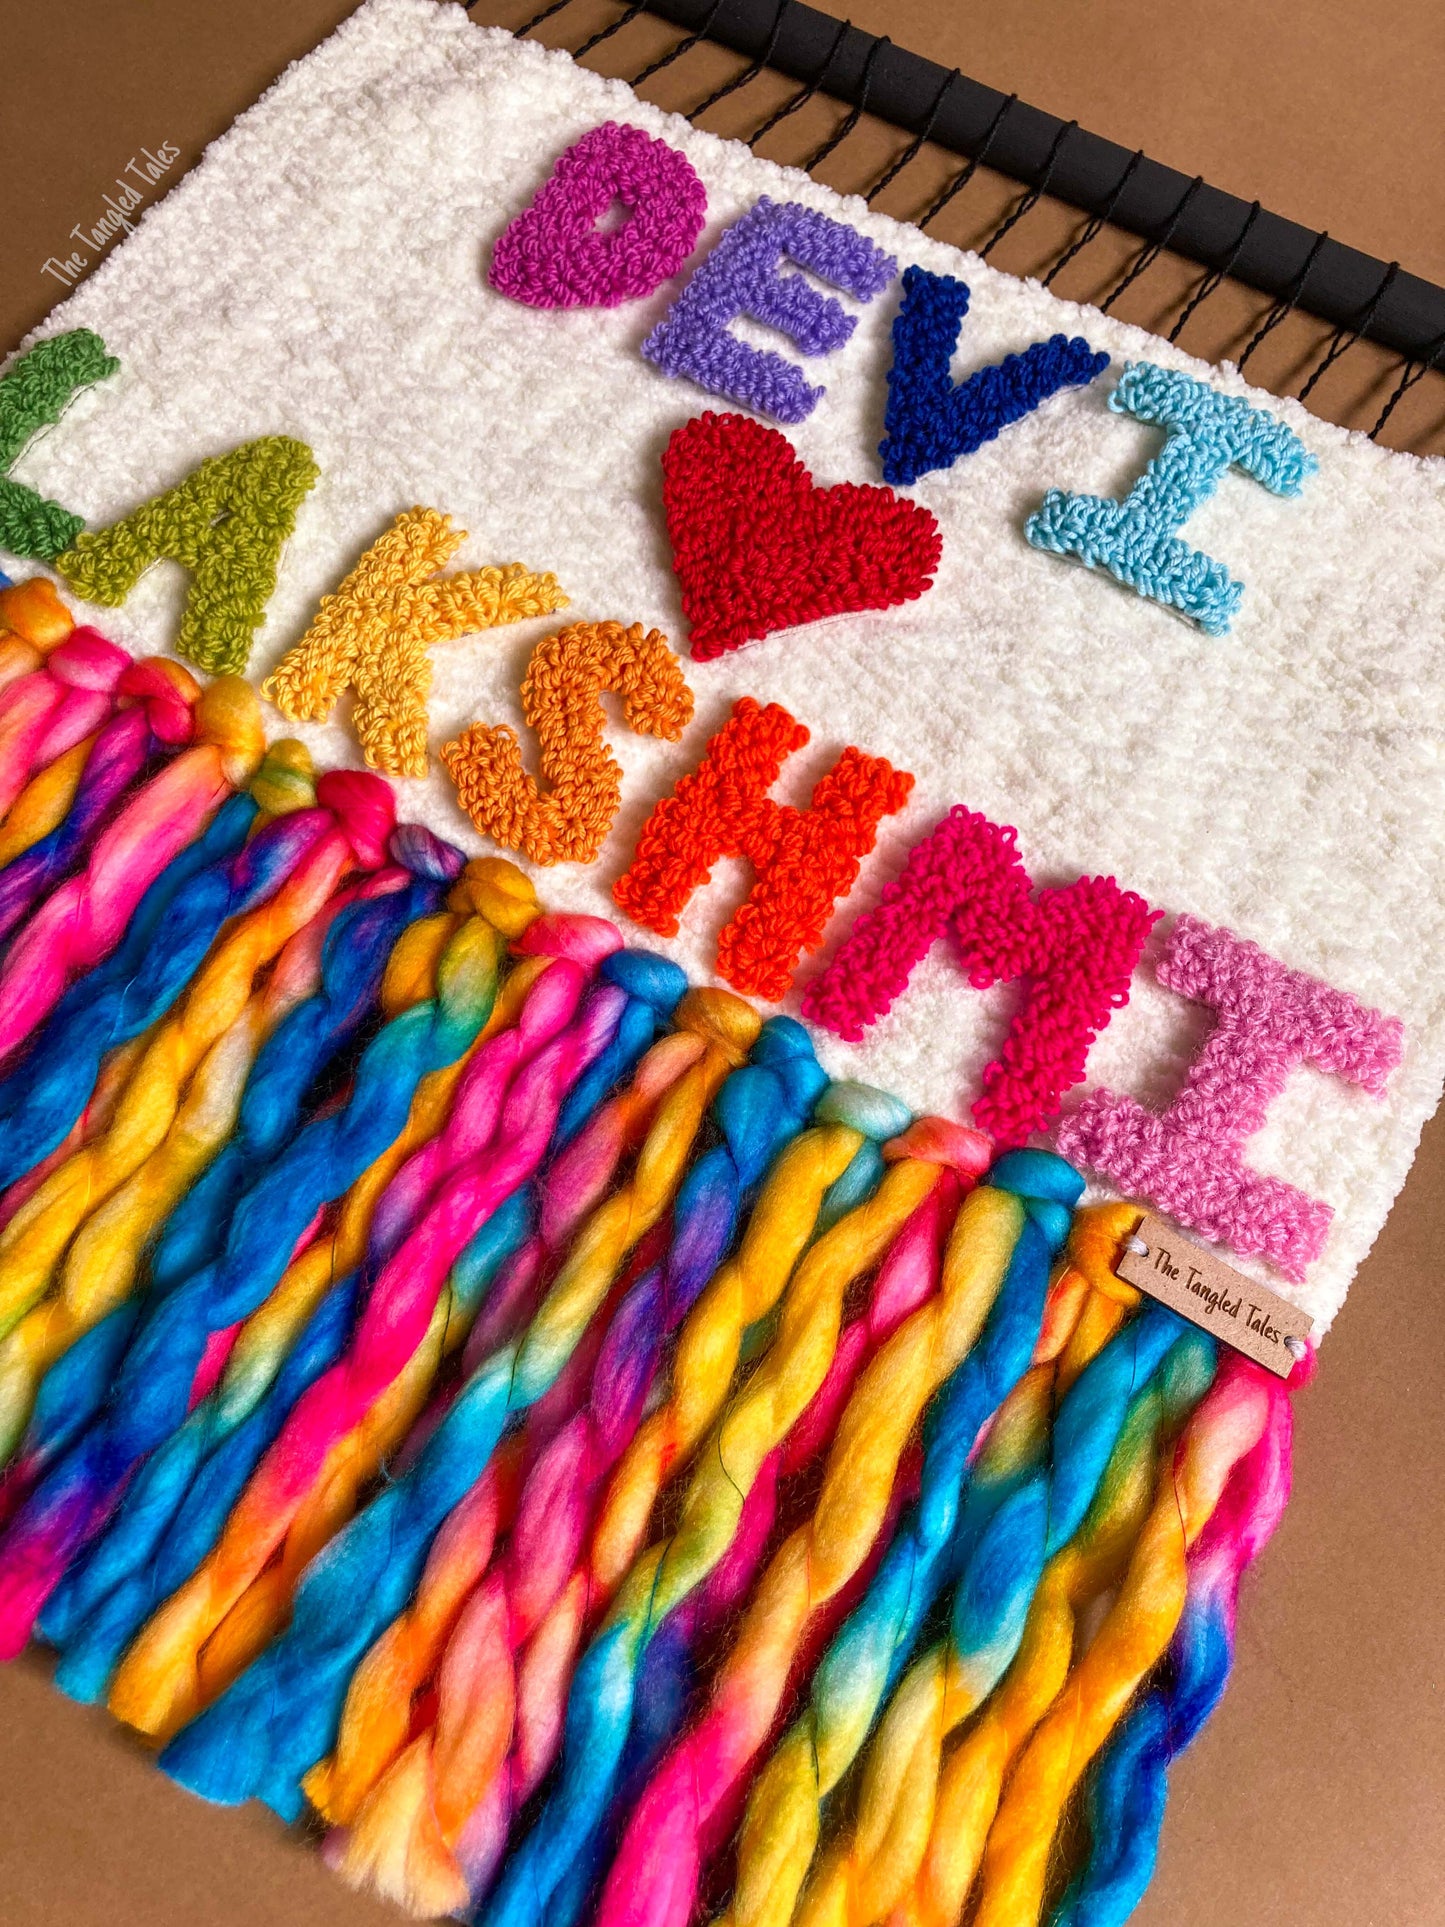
(902, 87)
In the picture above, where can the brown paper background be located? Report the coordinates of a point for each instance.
(1316, 1797)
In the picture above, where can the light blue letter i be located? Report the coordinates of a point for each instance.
(1135, 539)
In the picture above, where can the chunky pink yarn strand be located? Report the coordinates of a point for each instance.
(518, 1081)
(44, 714)
(82, 920)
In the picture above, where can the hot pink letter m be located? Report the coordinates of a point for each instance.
(1074, 948)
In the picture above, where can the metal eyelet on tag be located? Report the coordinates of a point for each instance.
(1160, 1261)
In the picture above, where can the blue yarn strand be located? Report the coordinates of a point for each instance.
(172, 928)
(174, 1513)
(1129, 1788)
(573, 1825)
(354, 957)
(237, 1748)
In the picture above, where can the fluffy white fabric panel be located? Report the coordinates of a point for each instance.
(322, 274)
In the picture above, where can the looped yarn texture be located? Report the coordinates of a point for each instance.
(1207, 434)
(1075, 946)
(34, 393)
(374, 633)
(554, 255)
(226, 523)
(1188, 1159)
(804, 860)
(561, 699)
(931, 421)
(740, 276)
(758, 546)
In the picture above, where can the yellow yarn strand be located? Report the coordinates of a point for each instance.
(764, 1411)
(882, 1410)
(44, 803)
(33, 620)
(32, 1243)
(971, 1783)
(1132, 1639)
(821, 1556)
(872, 1863)
(744, 1290)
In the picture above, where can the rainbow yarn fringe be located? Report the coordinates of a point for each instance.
(462, 1383)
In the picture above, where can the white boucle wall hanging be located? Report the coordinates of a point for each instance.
(1054, 721)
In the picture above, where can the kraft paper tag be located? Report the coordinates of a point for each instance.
(1218, 1299)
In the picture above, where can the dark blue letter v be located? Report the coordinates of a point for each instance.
(931, 419)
